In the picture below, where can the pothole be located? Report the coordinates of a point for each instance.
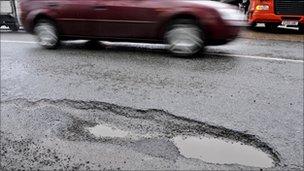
(153, 132)
(219, 151)
(208, 149)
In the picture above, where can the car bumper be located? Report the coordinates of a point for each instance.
(224, 32)
(267, 17)
(226, 35)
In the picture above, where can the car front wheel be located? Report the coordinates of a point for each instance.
(185, 38)
(47, 35)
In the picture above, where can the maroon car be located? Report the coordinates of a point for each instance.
(187, 26)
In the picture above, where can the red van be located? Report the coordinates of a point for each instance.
(186, 25)
(277, 12)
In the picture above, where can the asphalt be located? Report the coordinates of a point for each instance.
(250, 91)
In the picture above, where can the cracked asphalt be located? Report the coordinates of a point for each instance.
(48, 98)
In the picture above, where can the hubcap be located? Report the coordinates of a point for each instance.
(46, 34)
(184, 39)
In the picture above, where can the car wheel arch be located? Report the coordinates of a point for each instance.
(44, 17)
(37, 15)
(180, 16)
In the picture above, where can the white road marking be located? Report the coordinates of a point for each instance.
(257, 57)
(163, 46)
(13, 41)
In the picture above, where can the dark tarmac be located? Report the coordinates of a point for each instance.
(250, 91)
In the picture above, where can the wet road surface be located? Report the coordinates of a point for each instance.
(248, 91)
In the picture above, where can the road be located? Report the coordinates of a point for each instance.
(248, 88)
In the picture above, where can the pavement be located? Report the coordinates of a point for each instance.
(249, 91)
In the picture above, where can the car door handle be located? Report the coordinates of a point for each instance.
(53, 5)
(100, 8)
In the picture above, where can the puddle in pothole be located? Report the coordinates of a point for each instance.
(211, 150)
(103, 130)
(215, 150)
(106, 131)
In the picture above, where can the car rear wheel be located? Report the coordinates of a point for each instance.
(47, 35)
(185, 38)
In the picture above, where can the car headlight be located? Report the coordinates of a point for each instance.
(262, 7)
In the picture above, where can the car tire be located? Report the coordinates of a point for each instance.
(301, 28)
(94, 44)
(14, 28)
(185, 38)
(47, 34)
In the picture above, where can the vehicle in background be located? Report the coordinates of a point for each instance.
(8, 15)
(277, 12)
(186, 25)
(241, 4)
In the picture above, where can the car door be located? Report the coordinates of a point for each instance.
(127, 18)
(75, 17)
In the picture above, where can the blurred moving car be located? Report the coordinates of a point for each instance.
(277, 12)
(186, 25)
